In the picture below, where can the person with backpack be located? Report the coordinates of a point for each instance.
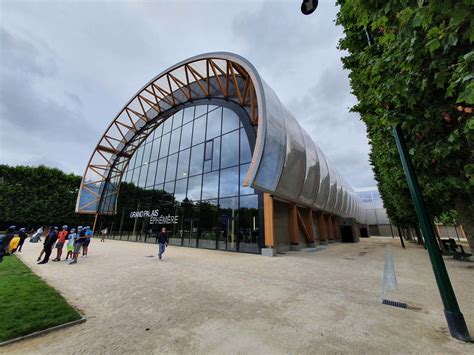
(5, 242)
(37, 236)
(87, 241)
(51, 238)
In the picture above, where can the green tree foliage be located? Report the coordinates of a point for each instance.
(33, 196)
(419, 73)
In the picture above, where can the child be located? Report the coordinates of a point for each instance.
(70, 243)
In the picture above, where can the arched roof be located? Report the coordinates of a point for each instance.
(286, 161)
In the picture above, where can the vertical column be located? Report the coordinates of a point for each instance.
(309, 225)
(268, 220)
(322, 230)
(293, 224)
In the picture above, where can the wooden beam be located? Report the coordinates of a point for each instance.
(302, 224)
(336, 227)
(293, 224)
(330, 227)
(268, 220)
(322, 231)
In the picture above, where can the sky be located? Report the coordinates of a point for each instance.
(68, 67)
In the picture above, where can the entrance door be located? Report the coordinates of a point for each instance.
(190, 229)
(227, 238)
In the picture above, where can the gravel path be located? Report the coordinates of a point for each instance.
(202, 301)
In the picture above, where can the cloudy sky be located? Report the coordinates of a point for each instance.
(68, 67)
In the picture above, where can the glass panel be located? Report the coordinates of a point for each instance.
(143, 173)
(248, 224)
(227, 238)
(196, 160)
(146, 154)
(150, 180)
(214, 123)
(169, 187)
(160, 172)
(208, 150)
(139, 154)
(183, 163)
(180, 189)
(167, 125)
(158, 131)
(208, 224)
(230, 121)
(174, 144)
(216, 154)
(229, 155)
(199, 130)
(178, 119)
(210, 185)
(136, 175)
(200, 110)
(194, 188)
(229, 184)
(171, 169)
(245, 153)
(165, 141)
(155, 149)
(208, 166)
(186, 135)
(188, 114)
(243, 172)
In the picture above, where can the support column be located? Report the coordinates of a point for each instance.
(269, 229)
(294, 240)
(310, 225)
(322, 230)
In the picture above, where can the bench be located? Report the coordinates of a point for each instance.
(450, 247)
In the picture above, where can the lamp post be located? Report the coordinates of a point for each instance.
(454, 317)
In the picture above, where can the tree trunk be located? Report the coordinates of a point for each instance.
(418, 236)
(465, 209)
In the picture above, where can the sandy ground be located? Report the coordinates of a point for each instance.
(202, 301)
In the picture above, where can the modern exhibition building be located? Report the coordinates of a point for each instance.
(207, 150)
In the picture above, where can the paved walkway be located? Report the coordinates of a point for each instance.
(200, 301)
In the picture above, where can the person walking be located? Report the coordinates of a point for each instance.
(103, 233)
(70, 243)
(61, 241)
(37, 236)
(79, 239)
(22, 234)
(51, 238)
(162, 242)
(87, 241)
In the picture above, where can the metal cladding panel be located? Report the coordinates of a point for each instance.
(324, 181)
(274, 143)
(294, 170)
(311, 183)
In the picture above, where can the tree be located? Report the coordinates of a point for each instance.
(418, 73)
(33, 196)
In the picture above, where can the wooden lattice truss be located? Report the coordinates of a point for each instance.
(186, 83)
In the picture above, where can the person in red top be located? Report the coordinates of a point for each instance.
(62, 236)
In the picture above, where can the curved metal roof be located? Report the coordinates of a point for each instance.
(286, 162)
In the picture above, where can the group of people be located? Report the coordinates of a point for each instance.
(74, 240)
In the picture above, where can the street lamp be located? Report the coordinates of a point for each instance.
(454, 317)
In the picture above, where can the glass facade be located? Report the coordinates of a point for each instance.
(187, 176)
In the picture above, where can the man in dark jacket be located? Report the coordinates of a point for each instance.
(22, 236)
(162, 242)
(51, 238)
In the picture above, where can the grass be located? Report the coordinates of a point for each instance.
(27, 303)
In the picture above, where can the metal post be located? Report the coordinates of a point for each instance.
(456, 323)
